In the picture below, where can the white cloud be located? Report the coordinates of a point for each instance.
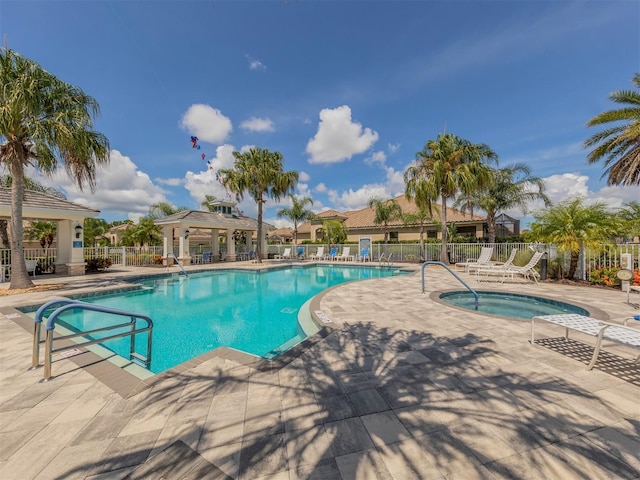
(376, 157)
(255, 64)
(304, 176)
(393, 147)
(255, 124)
(320, 188)
(170, 182)
(206, 123)
(357, 199)
(338, 138)
(120, 187)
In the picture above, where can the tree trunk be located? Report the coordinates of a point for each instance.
(19, 275)
(573, 265)
(444, 258)
(491, 226)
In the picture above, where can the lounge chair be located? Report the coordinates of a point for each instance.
(31, 264)
(286, 253)
(301, 253)
(364, 255)
(332, 254)
(346, 254)
(527, 271)
(318, 255)
(483, 260)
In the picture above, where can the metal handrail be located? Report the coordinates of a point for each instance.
(432, 262)
(177, 263)
(68, 305)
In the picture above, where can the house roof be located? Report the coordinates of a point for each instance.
(282, 232)
(43, 206)
(364, 218)
(200, 219)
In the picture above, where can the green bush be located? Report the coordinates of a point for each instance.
(97, 264)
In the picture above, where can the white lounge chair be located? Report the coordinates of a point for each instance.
(346, 254)
(286, 253)
(31, 263)
(527, 271)
(318, 255)
(483, 260)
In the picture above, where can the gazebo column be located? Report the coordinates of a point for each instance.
(215, 244)
(184, 246)
(70, 248)
(167, 243)
(231, 246)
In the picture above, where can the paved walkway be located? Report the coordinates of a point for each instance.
(403, 387)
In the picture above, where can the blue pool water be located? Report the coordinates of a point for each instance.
(255, 312)
(510, 304)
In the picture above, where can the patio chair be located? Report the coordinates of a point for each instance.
(527, 271)
(286, 253)
(332, 254)
(364, 255)
(318, 255)
(483, 260)
(31, 263)
(300, 253)
(346, 254)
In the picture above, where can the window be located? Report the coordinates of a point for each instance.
(393, 236)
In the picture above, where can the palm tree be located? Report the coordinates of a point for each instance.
(42, 116)
(164, 209)
(206, 203)
(630, 215)
(385, 211)
(334, 231)
(446, 166)
(509, 187)
(45, 232)
(572, 225)
(260, 173)
(421, 217)
(298, 214)
(94, 230)
(619, 145)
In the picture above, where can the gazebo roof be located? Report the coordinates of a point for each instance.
(199, 219)
(43, 206)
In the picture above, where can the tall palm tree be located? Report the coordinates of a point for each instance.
(43, 119)
(509, 187)
(206, 203)
(385, 211)
(334, 231)
(446, 166)
(572, 225)
(260, 173)
(297, 213)
(421, 217)
(619, 145)
(45, 232)
(630, 215)
(94, 232)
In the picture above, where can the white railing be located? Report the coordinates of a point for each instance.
(591, 259)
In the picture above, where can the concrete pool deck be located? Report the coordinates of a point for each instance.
(401, 387)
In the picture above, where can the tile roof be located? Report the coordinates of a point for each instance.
(42, 205)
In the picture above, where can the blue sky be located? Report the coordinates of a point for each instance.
(347, 91)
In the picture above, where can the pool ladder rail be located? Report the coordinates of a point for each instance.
(62, 305)
(432, 262)
(173, 255)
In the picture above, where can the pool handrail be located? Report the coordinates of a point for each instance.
(177, 263)
(433, 262)
(68, 304)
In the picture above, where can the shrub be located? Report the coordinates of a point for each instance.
(97, 264)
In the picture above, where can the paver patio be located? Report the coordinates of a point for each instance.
(403, 387)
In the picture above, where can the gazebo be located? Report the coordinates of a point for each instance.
(69, 218)
(224, 218)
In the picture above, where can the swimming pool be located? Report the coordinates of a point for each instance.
(252, 311)
(510, 304)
